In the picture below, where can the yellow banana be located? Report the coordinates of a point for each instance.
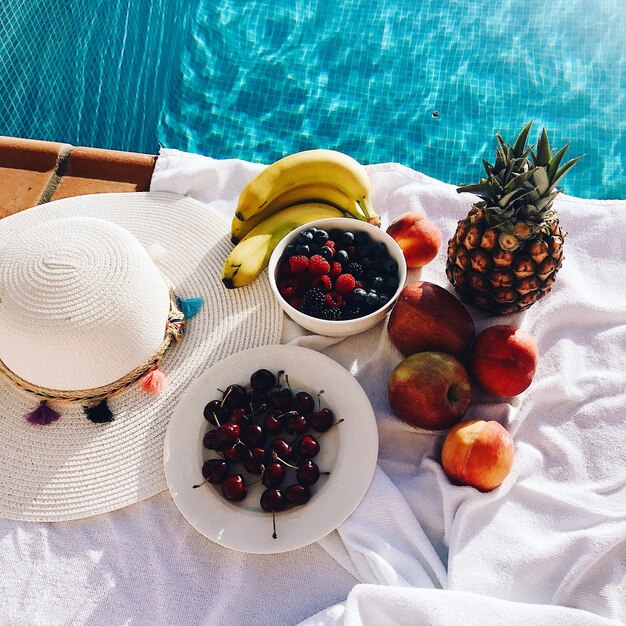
(327, 167)
(303, 194)
(252, 254)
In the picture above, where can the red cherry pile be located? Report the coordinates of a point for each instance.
(336, 275)
(265, 430)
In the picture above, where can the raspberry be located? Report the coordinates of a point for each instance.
(358, 284)
(284, 269)
(318, 265)
(352, 252)
(335, 269)
(323, 283)
(345, 283)
(298, 263)
(312, 302)
(330, 244)
(333, 300)
(331, 314)
(295, 302)
(288, 288)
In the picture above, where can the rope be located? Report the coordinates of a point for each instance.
(173, 332)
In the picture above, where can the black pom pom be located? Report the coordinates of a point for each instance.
(99, 413)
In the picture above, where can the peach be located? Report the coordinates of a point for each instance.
(427, 317)
(503, 360)
(417, 236)
(430, 390)
(478, 453)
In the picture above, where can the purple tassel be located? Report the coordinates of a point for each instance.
(42, 415)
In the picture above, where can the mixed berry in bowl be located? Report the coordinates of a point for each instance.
(336, 274)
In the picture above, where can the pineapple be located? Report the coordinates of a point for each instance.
(505, 254)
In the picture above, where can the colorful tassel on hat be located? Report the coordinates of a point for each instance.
(190, 306)
(153, 382)
(43, 415)
(99, 413)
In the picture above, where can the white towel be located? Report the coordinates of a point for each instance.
(552, 538)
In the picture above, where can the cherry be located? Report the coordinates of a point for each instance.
(253, 435)
(273, 475)
(228, 433)
(297, 424)
(258, 402)
(282, 399)
(216, 470)
(282, 448)
(303, 402)
(238, 416)
(298, 494)
(307, 447)
(234, 488)
(273, 422)
(214, 413)
(262, 380)
(322, 420)
(273, 500)
(211, 442)
(236, 453)
(255, 461)
(308, 473)
(235, 396)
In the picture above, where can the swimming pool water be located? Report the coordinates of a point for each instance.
(426, 84)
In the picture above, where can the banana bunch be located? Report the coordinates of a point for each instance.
(293, 191)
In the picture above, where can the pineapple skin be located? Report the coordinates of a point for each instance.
(500, 281)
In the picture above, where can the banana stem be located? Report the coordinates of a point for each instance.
(371, 216)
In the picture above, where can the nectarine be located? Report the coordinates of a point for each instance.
(503, 360)
(427, 317)
(430, 390)
(417, 236)
(478, 453)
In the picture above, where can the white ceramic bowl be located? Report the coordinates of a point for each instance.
(340, 328)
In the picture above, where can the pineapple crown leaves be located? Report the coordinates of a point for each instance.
(521, 185)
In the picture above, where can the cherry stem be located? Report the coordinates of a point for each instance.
(320, 435)
(274, 535)
(279, 374)
(284, 462)
(200, 485)
(225, 396)
(287, 380)
(319, 403)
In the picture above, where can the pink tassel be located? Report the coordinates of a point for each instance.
(42, 415)
(153, 382)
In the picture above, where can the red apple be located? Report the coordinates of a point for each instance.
(503, 360)
(417, 236)
(478, 453)
(430, 390)
(427, 317)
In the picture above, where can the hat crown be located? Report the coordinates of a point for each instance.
(81, 304)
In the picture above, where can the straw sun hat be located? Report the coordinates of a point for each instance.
(110, 305)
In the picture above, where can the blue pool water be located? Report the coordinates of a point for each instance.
(259, 80)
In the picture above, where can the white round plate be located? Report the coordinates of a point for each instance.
(349, 451)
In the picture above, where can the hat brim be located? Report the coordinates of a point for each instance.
(74, 468)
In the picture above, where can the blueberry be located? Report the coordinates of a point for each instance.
(335, 234)
(383, 298)
(326, 252)
(391, 266)
(342, 257)
(347, 238)
(371, 299)
(320, 237)
(303, 249)
(315, 248)
(361, 237)
(305, 237)
(391, 284)
(358, 296)
(380, 248)
(365, 251)
(370, 274)
(366, 262)
(379, 263)
(377, 283)
(290, 250)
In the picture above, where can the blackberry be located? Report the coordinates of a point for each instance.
(355, 269)
(312, 302)
(330, 314)
(352, 311)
